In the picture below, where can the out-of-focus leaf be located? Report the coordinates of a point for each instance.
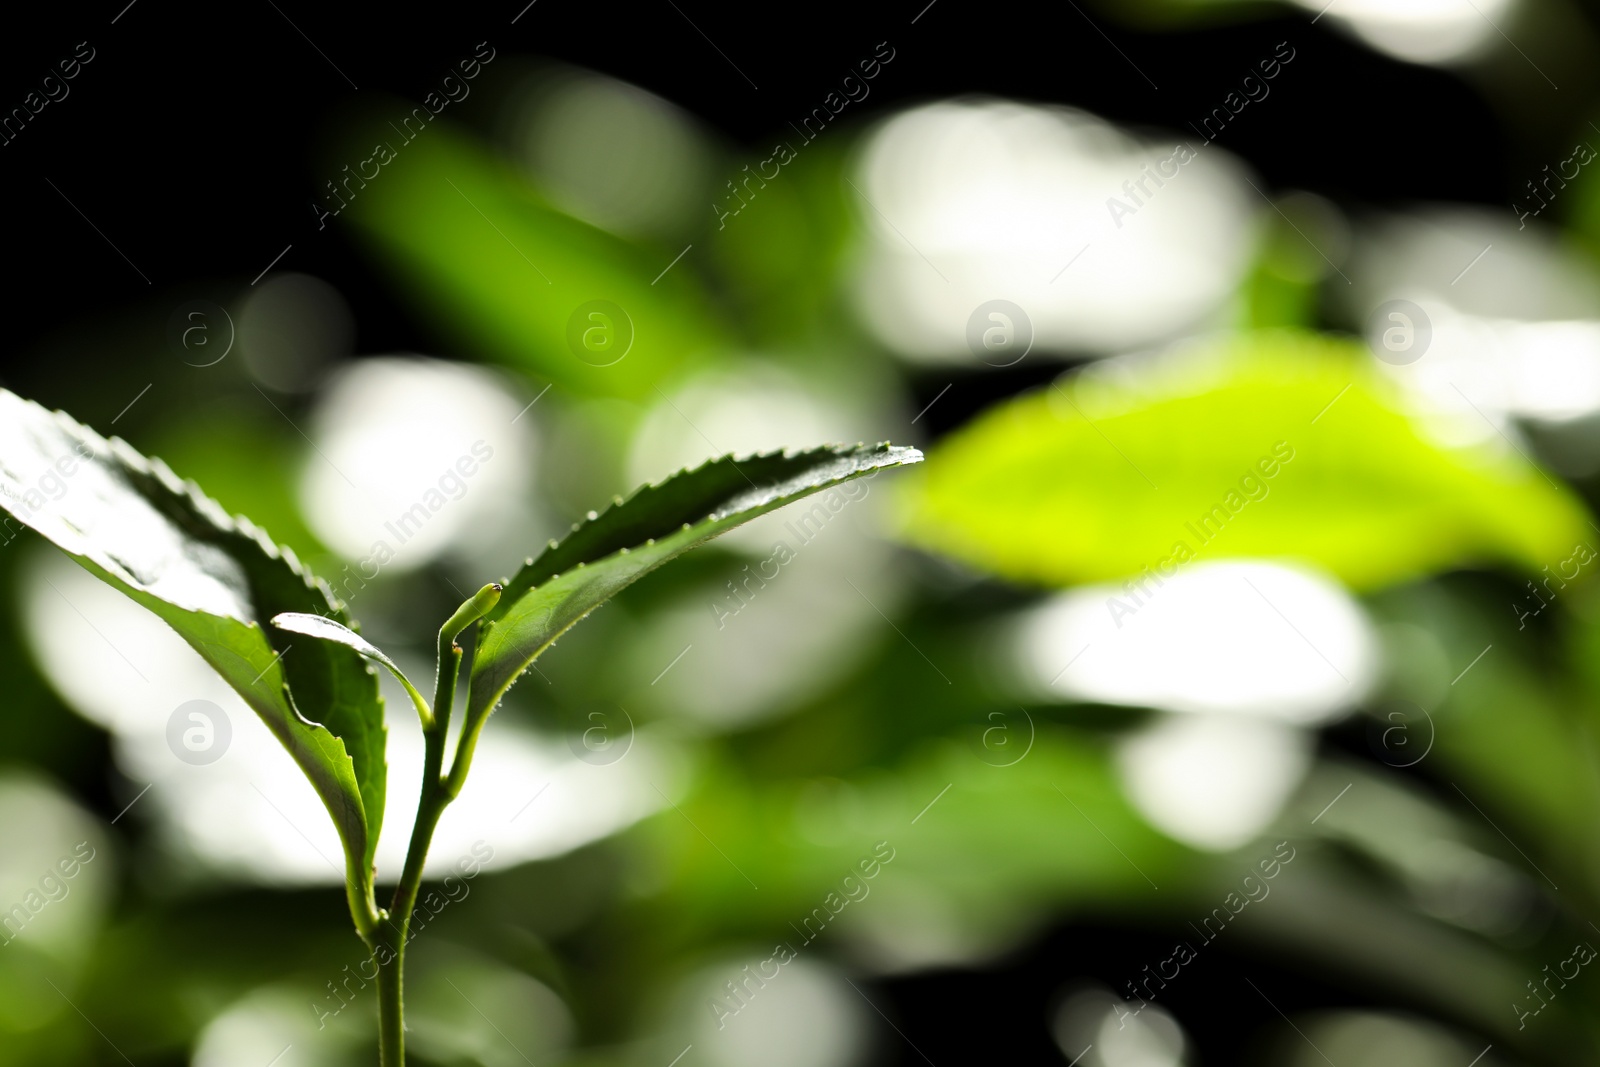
(511, 275)
(1279, 445)
(1515, 739)
(805, 212)
(1281, 288)
(215, 580)
(979, 854)
(1525, 756)
(982, 856)
(610, 551)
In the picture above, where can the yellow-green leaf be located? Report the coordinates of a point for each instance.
(1277, 445)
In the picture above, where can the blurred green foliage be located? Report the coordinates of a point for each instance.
(1275, 445)
(1439, 888)
(504, 270)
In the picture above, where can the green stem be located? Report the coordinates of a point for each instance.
(361, 896)
(389, 944)
(391, 1018)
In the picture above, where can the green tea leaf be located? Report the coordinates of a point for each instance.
(215, 580)
(325, 629)
(612, 550)
(1279, 445)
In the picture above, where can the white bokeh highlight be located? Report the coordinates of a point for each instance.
(252, 815)
(291, 328)
(1242, 656)
(1239, 637)
(1213, 781)
(1093, 1028)
(610, 153)
(40, 829)
(965, 202)
(754, 407)
(1435, 32)
(806, 1016)
(413, 454)
(1515, 319)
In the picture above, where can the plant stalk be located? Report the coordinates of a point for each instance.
(391, 1015)
(389, 944)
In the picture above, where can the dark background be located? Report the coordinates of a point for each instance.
(188, 140)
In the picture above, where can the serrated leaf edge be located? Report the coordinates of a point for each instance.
(214, 512)
(910, 454)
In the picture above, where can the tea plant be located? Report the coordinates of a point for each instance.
(279, 636)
